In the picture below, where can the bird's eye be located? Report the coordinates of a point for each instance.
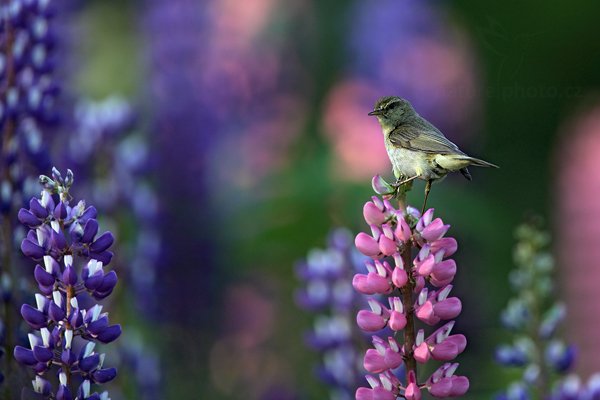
(392, 106)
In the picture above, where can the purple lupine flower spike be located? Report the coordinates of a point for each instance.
(71, 271)
(416, 288)
(328, 292)
(533, 315)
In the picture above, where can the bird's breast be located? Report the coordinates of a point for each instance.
(409, 163)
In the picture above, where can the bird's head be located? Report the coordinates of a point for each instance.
(392, 110)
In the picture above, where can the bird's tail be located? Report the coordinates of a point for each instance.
(480, 163)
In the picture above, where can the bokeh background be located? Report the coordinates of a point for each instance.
(250, 118)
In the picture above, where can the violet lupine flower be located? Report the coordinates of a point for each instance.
(571, 388)
(408, 289)
(27, 109)
(328, 293)
(106, 127)
(71, 277)
(27, 104)
(534, 315)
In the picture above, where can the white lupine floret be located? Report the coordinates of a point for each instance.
(89, 349)
(40, 300)
(48, 263)
(68, 338)
(33, 340)
(57, 297)
(45, 336)
(85, 388)
(68, 260)
(443, 294)
(55, 226)
(38, 384)
(39, 232)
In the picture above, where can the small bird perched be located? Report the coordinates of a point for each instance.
(416, 148)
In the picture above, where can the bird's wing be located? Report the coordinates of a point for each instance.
(422, 136)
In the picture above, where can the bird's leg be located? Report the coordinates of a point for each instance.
(402, 182)
(427, 189)
(399, 189)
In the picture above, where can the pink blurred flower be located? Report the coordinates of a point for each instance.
(356, 138)
(578, 233)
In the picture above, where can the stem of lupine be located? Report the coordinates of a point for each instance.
(407, 291)
(407, 300)
(542, 382)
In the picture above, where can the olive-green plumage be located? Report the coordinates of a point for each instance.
(416, 148)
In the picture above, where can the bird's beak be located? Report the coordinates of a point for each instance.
(375, 112)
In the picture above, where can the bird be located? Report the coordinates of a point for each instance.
(416, 148)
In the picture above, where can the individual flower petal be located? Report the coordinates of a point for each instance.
(449, 348)
(444, 270)
(104, 375)
(435, 230)
(387, 246)
(361, 284)
(441, 388)
(425, 267)
(97, 326)
(370, 321)
(381, 187)
(60, 212)
(448, 309)
(399, 277)
(41, 386)
(412, 391)
(89, 231)
(397, 321)
(63, 393)
(448, 244)
(424, 220)
(69, 276)
(43, 277)
(421, 353)
(110, 334)
(402, 231)
(102, 243)
(42, 354)
(26, 217)
(32, 250)
(367, 245)
(24, 356)
(37, 209)
(108, 282)
(105, 257)
(34, 317)
(425, 313)
(460, 385)
(89, 363)
(379, 284)
(374, 361)
(56, 313)
(373, 215)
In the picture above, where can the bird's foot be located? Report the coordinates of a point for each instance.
(402, 185)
